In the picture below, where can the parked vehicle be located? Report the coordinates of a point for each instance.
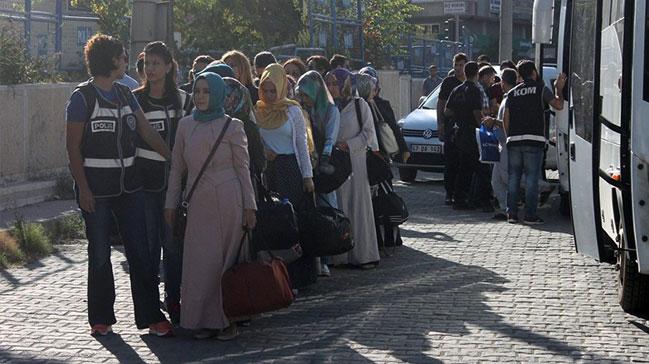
(419, 129)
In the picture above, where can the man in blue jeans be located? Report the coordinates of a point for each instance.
(103, 120)
(525, 127)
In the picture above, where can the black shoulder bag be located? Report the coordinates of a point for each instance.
(181, 212)
(378, 169)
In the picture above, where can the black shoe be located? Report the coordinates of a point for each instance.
(499, 216)
(512, 219)
(462, 206)
(533, 220)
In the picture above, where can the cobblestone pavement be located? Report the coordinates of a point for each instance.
(462, 289)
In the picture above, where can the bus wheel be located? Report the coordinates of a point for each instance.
(632, 287)
(564, 205)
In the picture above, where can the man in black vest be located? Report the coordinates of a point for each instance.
(464, 106)
(525, 127)
(446, 125)
(103, 122)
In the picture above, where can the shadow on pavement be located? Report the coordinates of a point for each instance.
(7, 356)
(119, 348)
(397, 309)
(40, 266)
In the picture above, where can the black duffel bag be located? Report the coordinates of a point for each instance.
(389, 208)
(324, 230)
(277, 226)
(325, 183)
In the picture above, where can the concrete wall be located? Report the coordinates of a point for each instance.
(32, 132)
(396, 88)
(32, 125)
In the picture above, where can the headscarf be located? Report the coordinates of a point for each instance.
(364, 85)
(312, 85)
(220, 69)
(237, 99)
(372, 72)
(217, 96)
(273, 115)
(345, 86)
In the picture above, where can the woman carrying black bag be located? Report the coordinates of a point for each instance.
(387, 232)
(325, 118)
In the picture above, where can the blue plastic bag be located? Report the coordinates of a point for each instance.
(487, 145)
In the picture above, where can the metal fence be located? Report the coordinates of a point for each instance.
(417, 54)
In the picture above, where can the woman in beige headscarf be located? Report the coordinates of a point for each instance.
(284, 133)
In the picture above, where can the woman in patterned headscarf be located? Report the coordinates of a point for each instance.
(356, 135)
(212, 237)
(238, 105)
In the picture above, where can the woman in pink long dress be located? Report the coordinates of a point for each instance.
(222, 204)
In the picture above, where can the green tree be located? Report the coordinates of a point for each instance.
(112, 14)
(386, 22)
(249, 25)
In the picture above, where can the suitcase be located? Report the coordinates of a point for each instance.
(256, 287)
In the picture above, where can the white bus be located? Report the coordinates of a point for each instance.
(603, 47)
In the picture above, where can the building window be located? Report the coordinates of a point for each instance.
(83, 34)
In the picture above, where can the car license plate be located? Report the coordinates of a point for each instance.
(422, 148)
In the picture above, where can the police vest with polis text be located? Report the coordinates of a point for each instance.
(163, 116)
(526, 119)
(108, 145)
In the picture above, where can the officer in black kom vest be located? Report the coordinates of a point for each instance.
(525, 127)
(103, 122)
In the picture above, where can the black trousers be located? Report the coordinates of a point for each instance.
(451, 163)
(467, 164)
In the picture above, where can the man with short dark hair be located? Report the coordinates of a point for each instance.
(339, 61)
(446, 125)
(524, 124)
(486, 78)
(465, 107)
(261, 61)
(198, 65)
(432, 81)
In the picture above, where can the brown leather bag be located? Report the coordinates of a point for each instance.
(256, 287)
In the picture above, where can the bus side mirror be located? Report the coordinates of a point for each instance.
(542, 17)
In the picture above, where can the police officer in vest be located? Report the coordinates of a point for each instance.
(103, 121)
(163, 105)
(525, 127)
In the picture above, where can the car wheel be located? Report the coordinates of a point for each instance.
(407, 174)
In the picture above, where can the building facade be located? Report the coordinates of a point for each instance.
(475, 23)
(52, 28)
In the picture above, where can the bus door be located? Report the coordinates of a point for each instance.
(614, 116)
(583, 58)
(639, 163)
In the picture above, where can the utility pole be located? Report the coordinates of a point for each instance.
(506, 25)
(457, 27)
(150, 21)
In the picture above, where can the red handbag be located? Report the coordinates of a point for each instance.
(256, 287)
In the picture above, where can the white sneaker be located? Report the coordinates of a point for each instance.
(324, 271)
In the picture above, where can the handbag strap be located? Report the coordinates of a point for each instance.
(246, 234)
(359, 114)
(185, 202)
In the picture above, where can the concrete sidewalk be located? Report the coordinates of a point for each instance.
(39, 212)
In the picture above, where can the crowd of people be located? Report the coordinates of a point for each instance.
(513, 106)
(215, 146)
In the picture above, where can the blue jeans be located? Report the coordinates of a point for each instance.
(128, 208)
(159, 238)
(528, 159)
